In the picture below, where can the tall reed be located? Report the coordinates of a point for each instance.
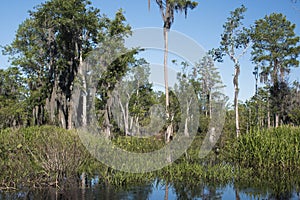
(276, 148)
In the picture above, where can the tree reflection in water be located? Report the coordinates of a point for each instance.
(242, 188)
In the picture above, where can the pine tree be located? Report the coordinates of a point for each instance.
(275, 50)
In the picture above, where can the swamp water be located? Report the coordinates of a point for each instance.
(154, 190)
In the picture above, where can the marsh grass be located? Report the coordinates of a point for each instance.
(50, 156)
(269, 149)
(40, 156)
(138, 144)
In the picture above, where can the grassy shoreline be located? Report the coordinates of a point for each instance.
(49, 156)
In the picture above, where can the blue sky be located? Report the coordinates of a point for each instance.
(203, 24)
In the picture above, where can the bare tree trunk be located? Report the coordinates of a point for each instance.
(166, 70)
(237, 195)
(269, 117)
(169, 131)
(82, 71)
(125, 115)
(107, 124)
(276, 120)
(34, 116)
(169, 128)
(249, 121)
(131, 123)
(83, 180)
(51, 101)
(82, 74)
(210, 106)
(167, 191)
(137, 124)
(61, 114)
(70, 114)
(206, 106)
(186, 130)
(236, 93)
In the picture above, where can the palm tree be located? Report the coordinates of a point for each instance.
(167, 8)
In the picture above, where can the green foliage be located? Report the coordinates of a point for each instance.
(141, 102)
(271, 149)
(208, 84)
(294, 115)
(40, 156)
(167, 7)
(294, 108)
(275, 47)
(43, 156)
(138, 145)
(235, 37)
(50, 46)
(12, 98)
(275, 50)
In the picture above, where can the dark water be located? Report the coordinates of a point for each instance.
(152, 191)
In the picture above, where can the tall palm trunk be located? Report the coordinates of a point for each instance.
(169, 128)
(166, 69)
(166, 197)
(167, 8)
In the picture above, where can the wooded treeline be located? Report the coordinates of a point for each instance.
(48, 62)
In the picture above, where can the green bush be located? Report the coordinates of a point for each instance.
(37, 156)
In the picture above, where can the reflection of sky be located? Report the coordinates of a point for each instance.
(225, 193)
(158, 192)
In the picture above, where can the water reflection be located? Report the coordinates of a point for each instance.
(152, 191)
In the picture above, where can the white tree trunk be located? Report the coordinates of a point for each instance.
(125, 115)
(268, 115)
(84, 97)
(186, 130)
(276, 120)
(169, 131)
(236, 94)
